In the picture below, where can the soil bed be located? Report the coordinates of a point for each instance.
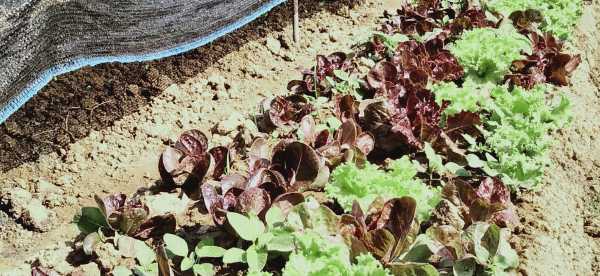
(100, 130)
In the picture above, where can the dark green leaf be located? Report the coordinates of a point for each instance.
(90, 220)
(491, 239)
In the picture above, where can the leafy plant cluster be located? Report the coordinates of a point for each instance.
(405, 168)
(557, 16)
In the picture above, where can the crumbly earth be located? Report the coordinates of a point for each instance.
(213, 89)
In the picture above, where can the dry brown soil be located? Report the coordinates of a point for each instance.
(100, 130)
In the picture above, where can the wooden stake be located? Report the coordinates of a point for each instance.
(296, 22)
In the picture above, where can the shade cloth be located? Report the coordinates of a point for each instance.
(40, 39)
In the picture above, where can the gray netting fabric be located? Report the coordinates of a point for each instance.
(40, 39)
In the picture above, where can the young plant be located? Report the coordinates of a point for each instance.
(345, 84)
(123, 220)
(271, 236)
(190, 161)
(386, 232)
(516, 133)
(547, 64)
(313, 81)
(321, 255)
(176, 246)
(560, 16)
(481, 249)
(488, 202)
(364, 185)
(281, 112)
(347, 144)
(487, 54)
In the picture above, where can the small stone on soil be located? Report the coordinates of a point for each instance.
(37, 216)
(273, 45)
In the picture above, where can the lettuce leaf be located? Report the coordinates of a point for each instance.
(560, 16)
(460, 99)
(317, 255)
(486, 54)
(516, 132)
(366, 184)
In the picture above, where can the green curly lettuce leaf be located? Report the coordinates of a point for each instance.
(486, 54)
(468, 98)
(316, 255)
(560, 16)
(517, 133)
(366, 184)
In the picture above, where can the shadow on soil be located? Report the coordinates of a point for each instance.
(93, 98)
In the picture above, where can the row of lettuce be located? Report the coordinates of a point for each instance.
(397, 159)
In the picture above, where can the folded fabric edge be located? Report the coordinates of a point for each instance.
(32, 89)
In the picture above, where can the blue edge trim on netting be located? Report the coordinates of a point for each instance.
(16, 102)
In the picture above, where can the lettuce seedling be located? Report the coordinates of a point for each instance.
(281, 111)
(316, 254)
(488, 202)
(418, 18)
(277, 174)
(313, 81)
(130, 217)
(548, 63)
(347, 144)
(486, 54)
(516, 133)
(177, 246)
(345, 84)
(560, 16)
(350, 183)
(190, 161)
(481, 249)
(272, 236)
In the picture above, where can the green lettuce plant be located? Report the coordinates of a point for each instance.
(318, 255)
(560, 16)
(350, 183)
(486, 54)
(517, 133)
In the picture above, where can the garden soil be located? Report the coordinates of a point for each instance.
(100, 130)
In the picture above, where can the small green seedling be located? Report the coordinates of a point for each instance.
(272, 237)
(347, 84)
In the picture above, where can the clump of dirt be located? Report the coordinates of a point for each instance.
(561, 221)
